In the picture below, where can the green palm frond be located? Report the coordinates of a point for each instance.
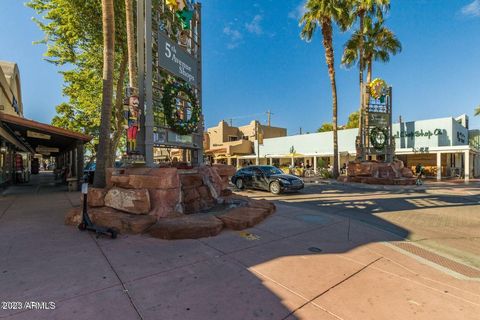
(477, 111)
(379, 43)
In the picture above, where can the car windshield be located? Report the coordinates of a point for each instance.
(271, 170)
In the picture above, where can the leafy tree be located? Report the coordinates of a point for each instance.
(352, 123)
(74, 39)
(323, 13)
(326, 127)
(353, 120)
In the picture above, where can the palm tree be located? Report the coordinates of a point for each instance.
(132, 67)
(108, 22)
(359, 9)
(378, 43)
(323, 13)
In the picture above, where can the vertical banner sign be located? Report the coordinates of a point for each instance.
(176, 60)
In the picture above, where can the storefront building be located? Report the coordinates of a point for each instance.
(445, 147)
(225, 143)
(23, 142)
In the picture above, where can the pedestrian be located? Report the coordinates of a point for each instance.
(419, 171)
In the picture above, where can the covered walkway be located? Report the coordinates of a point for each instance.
(67, 147)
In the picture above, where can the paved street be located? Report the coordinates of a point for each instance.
(443, 217)
(330, 252)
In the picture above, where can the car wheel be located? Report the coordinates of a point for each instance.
(239, 184)
(275, 187)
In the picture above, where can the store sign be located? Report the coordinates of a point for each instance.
(164, 136)
(176, 60)
(419, 133)
(38, 135)
(378, 119)
(42, 150)
(177, 138)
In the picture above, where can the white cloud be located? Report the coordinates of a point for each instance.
(472, 9)
(254, 26)
(234, 35)
(298, 12)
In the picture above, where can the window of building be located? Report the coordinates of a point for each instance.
(232, 138)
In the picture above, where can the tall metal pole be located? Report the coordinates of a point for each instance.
(257, 136)
(141, 71)
(149, 122)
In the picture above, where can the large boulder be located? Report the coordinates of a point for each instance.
(161, 178)
(96, 197)
(186, 227)
(407, 172)
(243, 217)
(108, 217)
(164, 202)
(224, 170)
(263, 204)
(356, 169)
(190, 195)
(212, 180)
(135, 201)
(191, 180)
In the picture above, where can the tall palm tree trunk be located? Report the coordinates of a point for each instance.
(108, 20)
(369, 70)
(118, 110)
(132, 67)
(360, 63)
(329, 57)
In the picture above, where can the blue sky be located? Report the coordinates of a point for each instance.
(254, 60)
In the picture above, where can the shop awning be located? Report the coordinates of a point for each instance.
(39, 137)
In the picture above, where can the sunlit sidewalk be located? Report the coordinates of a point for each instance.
(298, 264)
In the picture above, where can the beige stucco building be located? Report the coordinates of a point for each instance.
(225, 143)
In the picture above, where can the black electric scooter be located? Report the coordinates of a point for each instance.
(87, 223)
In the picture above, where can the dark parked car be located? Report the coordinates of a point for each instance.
(267, 178)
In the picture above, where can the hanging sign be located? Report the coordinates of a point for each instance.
(38, 135)
(42, 149)
(176, 60)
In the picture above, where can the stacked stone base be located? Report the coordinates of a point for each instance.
(170, 203)
(381, 173)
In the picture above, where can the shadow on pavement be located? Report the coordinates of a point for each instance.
(276, 270)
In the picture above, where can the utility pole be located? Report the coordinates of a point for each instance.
(300, 130)
(269, 117)
(257, 136)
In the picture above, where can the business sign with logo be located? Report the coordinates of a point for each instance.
(176, 60)
(419, 133)
(378, 119)
(162, 136)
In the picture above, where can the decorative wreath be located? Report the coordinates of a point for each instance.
(379, 138)
(378, 88)
(169, 102)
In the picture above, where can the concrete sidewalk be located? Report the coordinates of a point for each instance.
(298, 264)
